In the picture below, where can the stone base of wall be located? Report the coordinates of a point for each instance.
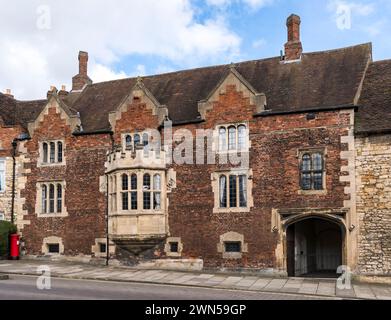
(373, 279)
(173, 264)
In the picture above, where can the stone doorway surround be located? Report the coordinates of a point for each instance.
(283, 218)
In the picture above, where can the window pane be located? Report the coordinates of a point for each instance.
(44, 199)
(137, 140)
(306, 163)
(59, 152)
(125, 201)
(222, 139)
(51, 198)
(145, 139)
(147, 200)
(317, 162)
(45, 153)
(242, 136)
(243, 191)
(223, 192)
(128, 142)
(134, 182)
(52, 152)
(306, 181)
(232, 138)
(233, 247)
(318, 181)
(59, 198)
(147, 182)
(232, 191)
(157, 182)
(134, 200)
(157, 201)
(125, 182)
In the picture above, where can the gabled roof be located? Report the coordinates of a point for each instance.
(374, 113)
(319, 80)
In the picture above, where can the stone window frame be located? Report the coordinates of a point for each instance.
(3, 172)
(39, 200)
(232, 237)
(140, 191)
(300, 154)
(167, 247)
(216, 190)
(52, 240)
(56, 142)
(95, 249)
(227, 126)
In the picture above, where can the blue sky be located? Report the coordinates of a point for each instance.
(124, 38)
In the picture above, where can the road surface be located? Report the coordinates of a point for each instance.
(25, 288)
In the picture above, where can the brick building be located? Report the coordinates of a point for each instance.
(294, 178)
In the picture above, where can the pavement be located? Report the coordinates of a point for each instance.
(320, 288)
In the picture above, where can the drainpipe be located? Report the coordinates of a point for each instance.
(14, 146)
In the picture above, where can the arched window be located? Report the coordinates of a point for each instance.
(51, 198)
(52, 152)
(145, 139)
(223, 192)
(231, 138)
(147, 191)
(59, 152)
(128, 142)
(222, 139)
(157, 186)
(59, 198)
(137, 140)
(242, 135)
(44, 199)
(133, 194)
(45, 152)
(125, 182)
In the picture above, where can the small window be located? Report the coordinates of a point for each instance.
(59, 152)
(59, 198)
(2, 216)
(51, 198)
(312, 171)
(54, 248)
(125, 182)
(52, 152)
(102, 247)
(174, 247)
(232, 138)
(137, 140)
(222, 139)
(45, 152)
(233, 247)
(128, 142)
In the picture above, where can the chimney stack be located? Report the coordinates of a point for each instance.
(81, 80)
(53, 90)
(8, 93)
(293, 48)
(63, 92)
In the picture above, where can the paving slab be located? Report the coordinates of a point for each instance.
(326, 289)
(260, 284)
(276, 284)
(308, 288)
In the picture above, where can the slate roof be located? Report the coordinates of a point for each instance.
(321, 80)
(374, 113)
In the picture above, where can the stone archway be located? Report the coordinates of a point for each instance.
(314, 246)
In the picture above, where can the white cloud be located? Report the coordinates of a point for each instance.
(39, 45)
(258, 43)
(254, 4)
(354, 7)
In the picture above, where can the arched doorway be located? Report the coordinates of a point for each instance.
(314, 248)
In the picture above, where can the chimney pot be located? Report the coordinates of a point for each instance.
(64, 88)
(293, 48)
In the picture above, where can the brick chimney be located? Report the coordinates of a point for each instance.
(63, 92)
(293, 48)
(8, 93)
(81, 80)
(52, 91)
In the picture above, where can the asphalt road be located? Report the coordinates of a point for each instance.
(25, 288)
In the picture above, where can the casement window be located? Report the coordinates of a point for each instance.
(52, 198)
(233, 138)
(312, 171)
(233, 191)
(139, 191)
(52, 152)
(233, 246)
(2, 175)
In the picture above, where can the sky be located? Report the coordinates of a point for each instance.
(40, 40)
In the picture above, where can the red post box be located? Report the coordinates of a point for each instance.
(14, 246)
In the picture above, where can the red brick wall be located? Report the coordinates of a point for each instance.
(85, 157)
